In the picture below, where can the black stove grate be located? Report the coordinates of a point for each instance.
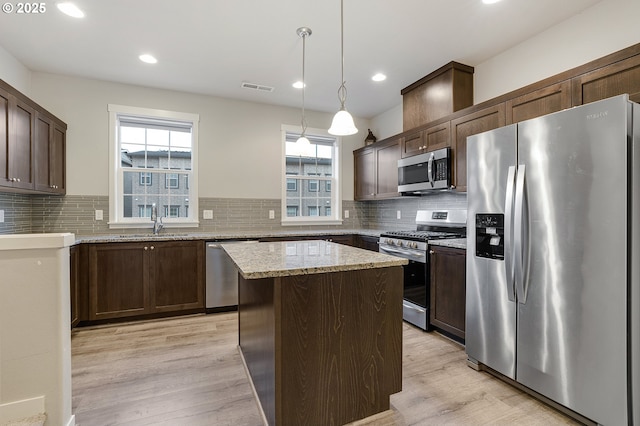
(422, 235)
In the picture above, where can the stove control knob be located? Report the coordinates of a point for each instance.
(400, 244)
(414, 245)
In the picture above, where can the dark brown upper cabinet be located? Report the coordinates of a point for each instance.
(438, 94)
(543, 101)
(615, 79)
(32, 145)
(480, 121)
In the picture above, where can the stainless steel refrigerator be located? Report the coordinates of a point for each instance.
(553, 257)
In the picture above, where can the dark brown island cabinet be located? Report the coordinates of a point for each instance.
(448, 290)
(145, 278)
(322, 344)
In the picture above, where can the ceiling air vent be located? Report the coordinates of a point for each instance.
(254, 86)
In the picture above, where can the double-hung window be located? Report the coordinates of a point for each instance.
(151, 151)
(309, 175)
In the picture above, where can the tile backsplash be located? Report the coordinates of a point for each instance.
(17, 213)
(76, 214)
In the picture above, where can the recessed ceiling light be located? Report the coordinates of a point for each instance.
(490, 1)
(379, 77)
(149, 59)
(70, 9)
(298, 85)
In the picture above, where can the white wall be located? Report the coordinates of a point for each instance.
(388, 123)
(240, 142)
(604, 28)
(13, 72)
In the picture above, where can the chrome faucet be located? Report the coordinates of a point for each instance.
(157, 226)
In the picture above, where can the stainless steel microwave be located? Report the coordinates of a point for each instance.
(426, 172)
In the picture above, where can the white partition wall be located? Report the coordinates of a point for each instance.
(35, 339)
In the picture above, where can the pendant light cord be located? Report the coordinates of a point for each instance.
(342, 90)
(304, 120)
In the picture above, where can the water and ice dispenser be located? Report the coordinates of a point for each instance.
(490, 236)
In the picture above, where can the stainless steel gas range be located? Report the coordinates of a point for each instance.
(413, 245)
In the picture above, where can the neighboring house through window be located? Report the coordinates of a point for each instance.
(308, 177)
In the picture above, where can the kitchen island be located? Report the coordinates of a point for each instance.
(320, 329)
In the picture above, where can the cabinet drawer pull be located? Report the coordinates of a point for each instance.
(146, 248)
(152, 247)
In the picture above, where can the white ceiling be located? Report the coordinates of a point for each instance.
(212, 46)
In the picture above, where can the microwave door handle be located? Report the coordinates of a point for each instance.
(430, 170)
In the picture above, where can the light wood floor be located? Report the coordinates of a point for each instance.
(187, 372)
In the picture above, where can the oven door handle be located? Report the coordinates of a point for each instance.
(390, 250)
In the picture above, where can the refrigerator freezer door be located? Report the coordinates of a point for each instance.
(634, 307)
(490, 335)
(572, 329)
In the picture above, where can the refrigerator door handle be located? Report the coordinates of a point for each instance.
(430, 169)
(508, 235)
(520, 239)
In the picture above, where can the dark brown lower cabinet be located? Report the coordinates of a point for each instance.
(74, 266)
(132, 279)
(367, 242)
(177, 276)
(346, 239)
(340, 239)
(78, 284)
(448, 290)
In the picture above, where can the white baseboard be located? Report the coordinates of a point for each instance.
(21, 409)
(72, 420)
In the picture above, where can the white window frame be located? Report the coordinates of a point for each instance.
(116, 175)
(336, 200)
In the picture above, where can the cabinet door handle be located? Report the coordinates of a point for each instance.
(431, 251)
(152, 247)
(146, 248)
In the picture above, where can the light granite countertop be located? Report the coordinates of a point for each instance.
(280, 259)
(218, 236)
(460, 243)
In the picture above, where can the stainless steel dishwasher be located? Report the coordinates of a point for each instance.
(221, 277)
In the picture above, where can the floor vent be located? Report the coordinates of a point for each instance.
(253, 86)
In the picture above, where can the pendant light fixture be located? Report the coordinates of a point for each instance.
(342, 124)
(303, 32)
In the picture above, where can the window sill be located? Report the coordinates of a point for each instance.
(132, 225)
(305, 222)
